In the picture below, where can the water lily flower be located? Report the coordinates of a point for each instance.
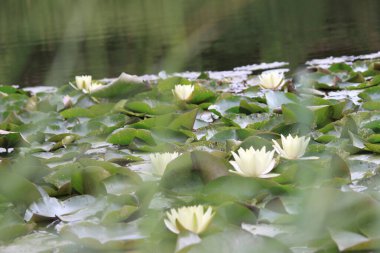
(272, 80)
(85, 84)
(292, 147)
(183, 92)
(190, 218)
(67, 102)
(161, 160)
(254, 163)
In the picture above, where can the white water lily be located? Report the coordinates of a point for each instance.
(85, 84)
(272, 80)
(292, 147)
(190, 218)
(161, 160)
(183, 92)
(254, 163)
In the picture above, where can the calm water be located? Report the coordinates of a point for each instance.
(49, 42)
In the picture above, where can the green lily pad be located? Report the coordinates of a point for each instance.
(50, 208)
(100, 237)
(12, 226)
(10, 139)
(127, 135)
(192, 170)
(150, 107)
(172, 121)
(90, 112)
(38, 242)
(275, 99)
(371, 94)
(125, 86)
(17, 189)
(234, 240)
(201, 95)
(166, 85)
(239, 188)
(349, 241)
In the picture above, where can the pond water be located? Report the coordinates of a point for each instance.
(49, 42)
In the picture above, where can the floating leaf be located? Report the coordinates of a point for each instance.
(276, 99)
(90, 112)
(166, 85)
(50, 208)
(371, 94)
(201, 95)
(10, 139)
(39, 242)
(150, 107)
(110, 237)
(349, 241)
(253, 107)
(234, 240)
(125, 86)
(127, 135)
(185, 241)
(17, 189)
(12, 226)
(239, 188)
(192, 170)
(233, 213)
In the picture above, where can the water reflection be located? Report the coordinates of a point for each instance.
(51, 41)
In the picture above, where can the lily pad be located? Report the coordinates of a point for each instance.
(100, 237)
(191, 170)
(10, 139)
(49, 208)
(237, 241)
(125, 86)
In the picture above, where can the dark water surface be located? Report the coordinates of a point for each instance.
(50, 41)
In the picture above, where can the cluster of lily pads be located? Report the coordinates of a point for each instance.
(186, 162)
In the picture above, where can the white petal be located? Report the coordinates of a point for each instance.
(269, 175)
(279, 150)
(238, 172)
(236, 167)
(270, 167)
(309, 158)
(171, 227)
